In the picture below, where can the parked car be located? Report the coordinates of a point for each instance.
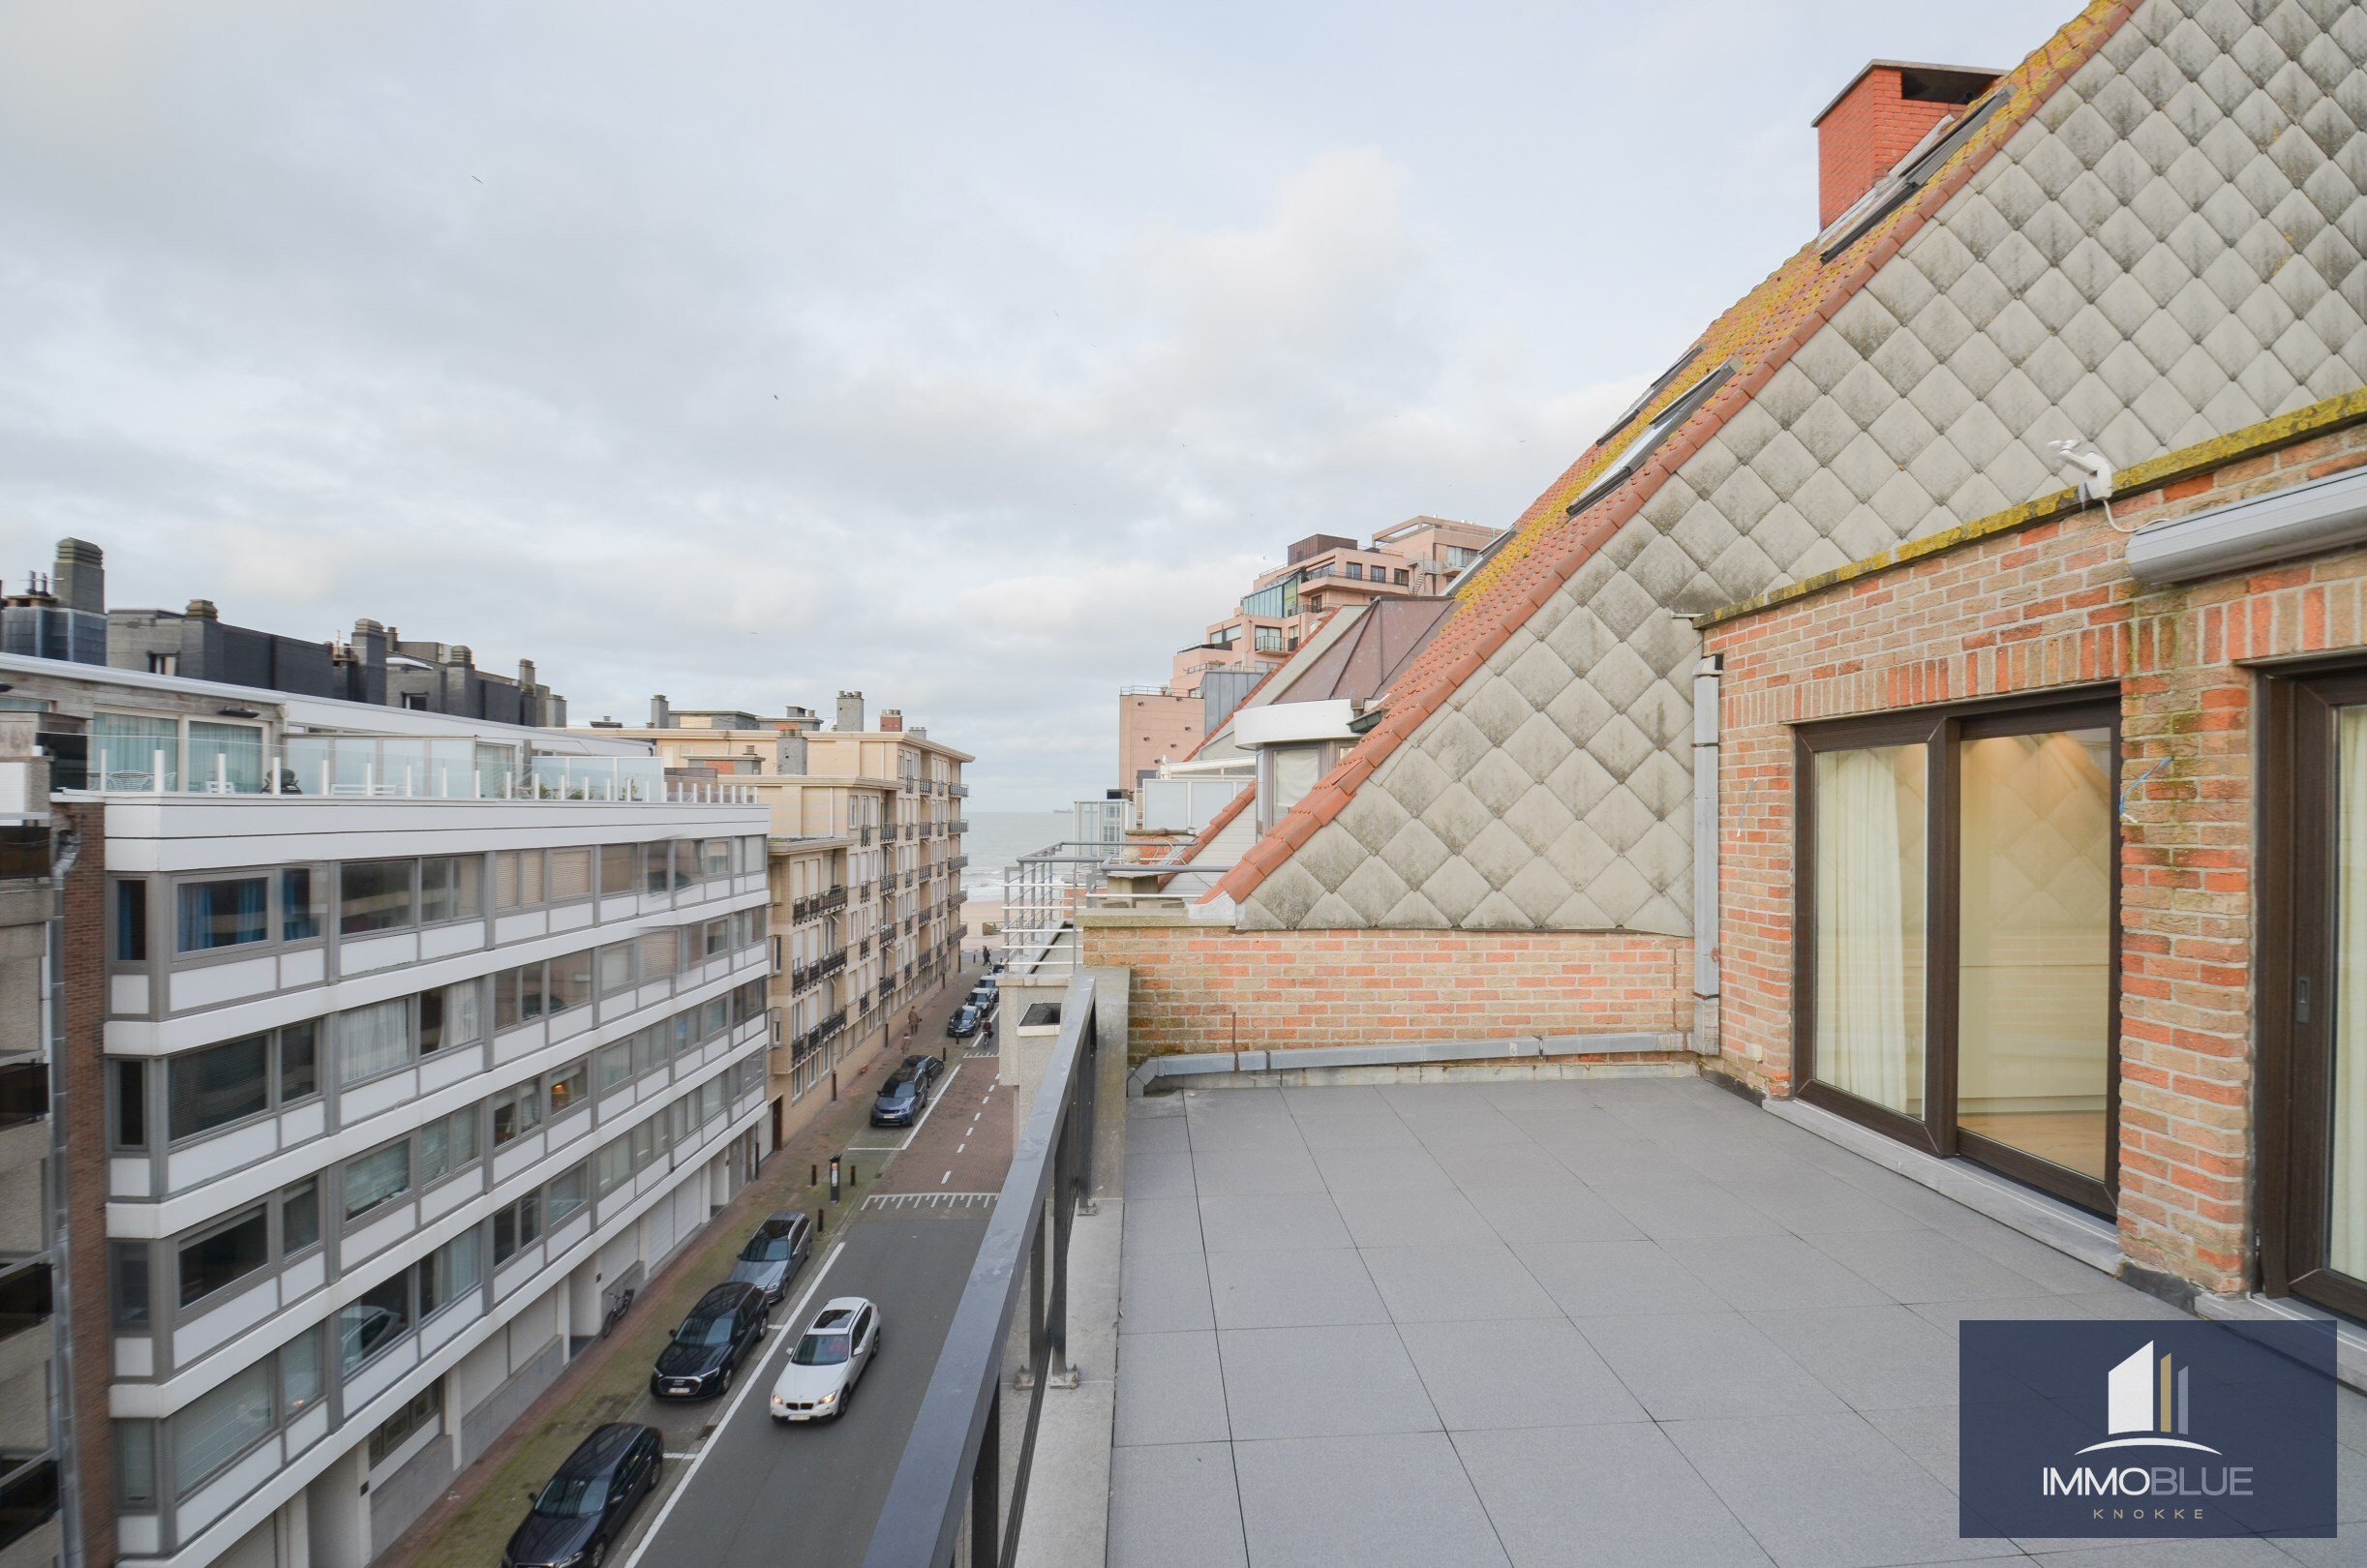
(983, 998)
(900, 1099)
(963, 1023)
(928, 1067)
(826, 1362)
(581, 1511)
(774, 1255)
(724, 1329)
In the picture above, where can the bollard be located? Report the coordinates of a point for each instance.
(834, 1178)
(814, 1179)
(818, 1226)
(854, 1173)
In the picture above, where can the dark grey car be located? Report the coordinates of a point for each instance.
(774, 1255)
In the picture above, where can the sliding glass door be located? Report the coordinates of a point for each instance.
(2311, 1001)
(1958, 963)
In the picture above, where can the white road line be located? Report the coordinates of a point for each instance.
(933, 1101)
(693, 1454)
(682, 1486)
(947, 1176)
(959, 1150)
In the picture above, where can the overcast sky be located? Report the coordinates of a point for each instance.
(973, 355)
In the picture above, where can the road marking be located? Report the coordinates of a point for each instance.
(947, 1176)
(929, 1200)
(682, 1486)
(959, 1148)
(693, 1454)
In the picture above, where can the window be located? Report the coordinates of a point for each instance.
(225, 1254)
(615, 1064)
(616, 869)
(615, 1164)
(300, 1374)
(218, 1085)
(377, 1177)
(447, 1144)
(126, 1267)
(300, 1215)
(660, 954)
(218, 1426)
(130, 921)
(135, 1453)
(299, 905)
(405, 1424)
(517, 996)
(128, 748)
(715, 859)
(516, 1111)
(615, 968)
(452, 1273)
(373, 1039)
(1399, 576)
(373, 895)
(570, 875)
(564, 1195)
(517, 878)
(1354, 571)
(130, 1104)
(657, 867)
(451, 887)
(378, 1319)
(516, 1227)
(718, 937)
(566, 1090)
(299, 1061)
(685, 863)
(225, 914)
(569, 985)
(226, 757)
(449, 1017)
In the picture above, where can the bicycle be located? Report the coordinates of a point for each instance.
(616, 1313)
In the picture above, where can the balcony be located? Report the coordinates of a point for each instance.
(835, 898)
(24, 849)
(28, 1497)
(862, 836)
(958, 791)
(956, 863)
(832, 1024)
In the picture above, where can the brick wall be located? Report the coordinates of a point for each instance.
(2042, 606)
(1297, 988)
(1868, 131)
(83, 1068)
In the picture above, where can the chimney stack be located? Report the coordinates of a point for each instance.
(79, 579)
(789, 753)
(1878, 118)
(891, 720)
(850, 711)
(202, 610)
(661, 717)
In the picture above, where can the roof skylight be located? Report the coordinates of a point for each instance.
(1631, 457)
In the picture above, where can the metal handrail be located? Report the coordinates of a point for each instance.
(948, 1486)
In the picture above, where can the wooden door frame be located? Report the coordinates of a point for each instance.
(1939, 730)
(2295, 943)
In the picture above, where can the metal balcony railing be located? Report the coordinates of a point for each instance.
(955, 1498)
(960, 825)
(831, 965)
(835, 898)
(958, 791)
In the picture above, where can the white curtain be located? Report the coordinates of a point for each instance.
(1869, 926)
(2346, 1210)
(373, 1039)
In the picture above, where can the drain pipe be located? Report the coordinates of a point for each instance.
(1707, 677)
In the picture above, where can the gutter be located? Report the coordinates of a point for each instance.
(2307, 519)
(1707, 677)
(1410, 1053)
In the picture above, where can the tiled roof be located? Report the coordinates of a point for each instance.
(1757, 336)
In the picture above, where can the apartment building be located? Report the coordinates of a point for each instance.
(396, 1047)
(1930, 706)
(1421, 558)
(866, 869)
(64, 614)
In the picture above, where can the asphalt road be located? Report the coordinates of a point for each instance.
(759, 1494)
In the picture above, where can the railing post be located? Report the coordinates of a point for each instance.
(986, 1527)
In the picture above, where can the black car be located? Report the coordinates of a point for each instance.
(963, 1023)
(723, 1330)
(773, 1255)
(582, 1510)
(901, 1098)
(928, 1067)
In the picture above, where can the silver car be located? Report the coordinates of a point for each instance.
(776, 1251)
(826, 1362)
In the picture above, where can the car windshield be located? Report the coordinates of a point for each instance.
(572, 1496)
(900, 1090)
(766, 1250)
(705, 1331)
(820, 1349)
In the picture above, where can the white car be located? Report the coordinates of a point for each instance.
(826, 1362)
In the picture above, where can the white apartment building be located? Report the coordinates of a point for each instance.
(402, 1085)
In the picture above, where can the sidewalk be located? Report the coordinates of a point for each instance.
(476, 1514)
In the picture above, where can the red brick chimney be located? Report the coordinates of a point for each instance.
(891, 720)
(1878, 118)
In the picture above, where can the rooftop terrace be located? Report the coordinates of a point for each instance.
(1584, 1321)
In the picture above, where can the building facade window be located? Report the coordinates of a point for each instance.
(227, 913)
(375, 895)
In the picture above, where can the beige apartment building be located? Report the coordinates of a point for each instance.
(866, 872)
(1420, 557)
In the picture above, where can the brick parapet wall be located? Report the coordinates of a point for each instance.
(1192, 984)
(2048, 607)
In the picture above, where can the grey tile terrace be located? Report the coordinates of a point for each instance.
(1559, 1325)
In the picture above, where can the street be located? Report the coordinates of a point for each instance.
(739, 1489)
(756, 1493)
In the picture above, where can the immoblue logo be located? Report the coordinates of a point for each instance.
(2200, 1428)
